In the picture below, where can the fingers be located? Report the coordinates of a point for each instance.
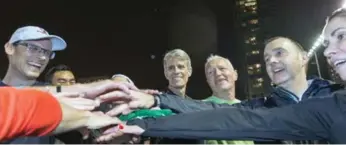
(114, 96)
(118, 110)
(97, 89)
(151, 92)
(136, 139)
(131, 129)
(79, 103)
(125, 87)
(109, 137)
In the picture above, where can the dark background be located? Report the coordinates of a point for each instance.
(131, 37)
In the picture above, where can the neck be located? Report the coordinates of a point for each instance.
(297, 86)
(14, 78)
(225, 94)
(178, 91)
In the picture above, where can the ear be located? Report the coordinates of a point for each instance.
(9, 49)
(165, 72)
(235, 75)
(305, 58)
(190, 72)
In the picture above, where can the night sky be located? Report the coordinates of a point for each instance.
(131, 36)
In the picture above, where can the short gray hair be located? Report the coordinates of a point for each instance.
(177, 53)
(214, 57)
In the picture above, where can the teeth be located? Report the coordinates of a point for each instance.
(338, 62)
(35, 64)
(277, 70)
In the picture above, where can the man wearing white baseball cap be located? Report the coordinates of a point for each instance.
(29, 50)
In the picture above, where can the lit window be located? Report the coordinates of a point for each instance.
(258, 65)
(250, 4)
(253, 21)
(241, 2)
(252, 38)
(255, 52)
(257, 85)
(260, 80)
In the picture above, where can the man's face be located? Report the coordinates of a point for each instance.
(221, 75)
(30, 58)
(335, 43)
(63, 78)
(283, 60)
(177, 72)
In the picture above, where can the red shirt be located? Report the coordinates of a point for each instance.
(27, 112)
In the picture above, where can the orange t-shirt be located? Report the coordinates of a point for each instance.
(27, 112)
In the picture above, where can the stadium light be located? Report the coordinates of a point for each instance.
(316, 45)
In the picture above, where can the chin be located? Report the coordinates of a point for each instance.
(224, 87)
(32, 75)
(178, 85)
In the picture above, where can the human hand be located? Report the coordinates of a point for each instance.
(77, 100)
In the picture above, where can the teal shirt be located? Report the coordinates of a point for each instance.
(224, 142)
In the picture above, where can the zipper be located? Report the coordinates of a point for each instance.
(290, 95)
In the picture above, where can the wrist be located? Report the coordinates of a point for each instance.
(155, 102)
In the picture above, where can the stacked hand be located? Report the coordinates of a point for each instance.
(127, 97)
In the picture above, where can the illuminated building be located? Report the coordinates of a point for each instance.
(251, 41)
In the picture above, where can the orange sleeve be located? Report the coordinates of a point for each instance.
(27, 112)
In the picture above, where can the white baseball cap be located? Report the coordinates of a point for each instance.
(35, 33)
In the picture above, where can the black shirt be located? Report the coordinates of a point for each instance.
(174, 140)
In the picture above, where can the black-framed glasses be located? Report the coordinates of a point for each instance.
(34, 49)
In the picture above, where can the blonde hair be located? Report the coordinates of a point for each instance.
(177, 53)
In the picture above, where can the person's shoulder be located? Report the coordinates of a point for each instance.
(2, 84)
(39, 83)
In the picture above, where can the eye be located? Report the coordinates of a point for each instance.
(32, 48)
(278, 53)
(266, 59)
(325, 43)
(340, 36)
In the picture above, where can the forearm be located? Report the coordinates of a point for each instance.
(71, 88)
(181, 105)
(54, 90)
(71, 119)
(296, 122)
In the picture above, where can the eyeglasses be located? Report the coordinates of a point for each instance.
(34, 49)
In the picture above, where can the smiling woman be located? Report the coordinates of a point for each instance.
(335, 42)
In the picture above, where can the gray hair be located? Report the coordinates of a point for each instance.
(178, 53)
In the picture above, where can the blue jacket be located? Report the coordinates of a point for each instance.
(277, 98)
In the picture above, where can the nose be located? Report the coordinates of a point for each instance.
(176, 70)
(273, 60)
(43, 57)
(217, 72)
(330, 51)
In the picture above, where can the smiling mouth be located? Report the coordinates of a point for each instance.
(339, 62)
(278, 70)
(36, 65)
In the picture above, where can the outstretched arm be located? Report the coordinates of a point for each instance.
(303, 121)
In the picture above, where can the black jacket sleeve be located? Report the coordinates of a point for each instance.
(181, 105)
(304, 121)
